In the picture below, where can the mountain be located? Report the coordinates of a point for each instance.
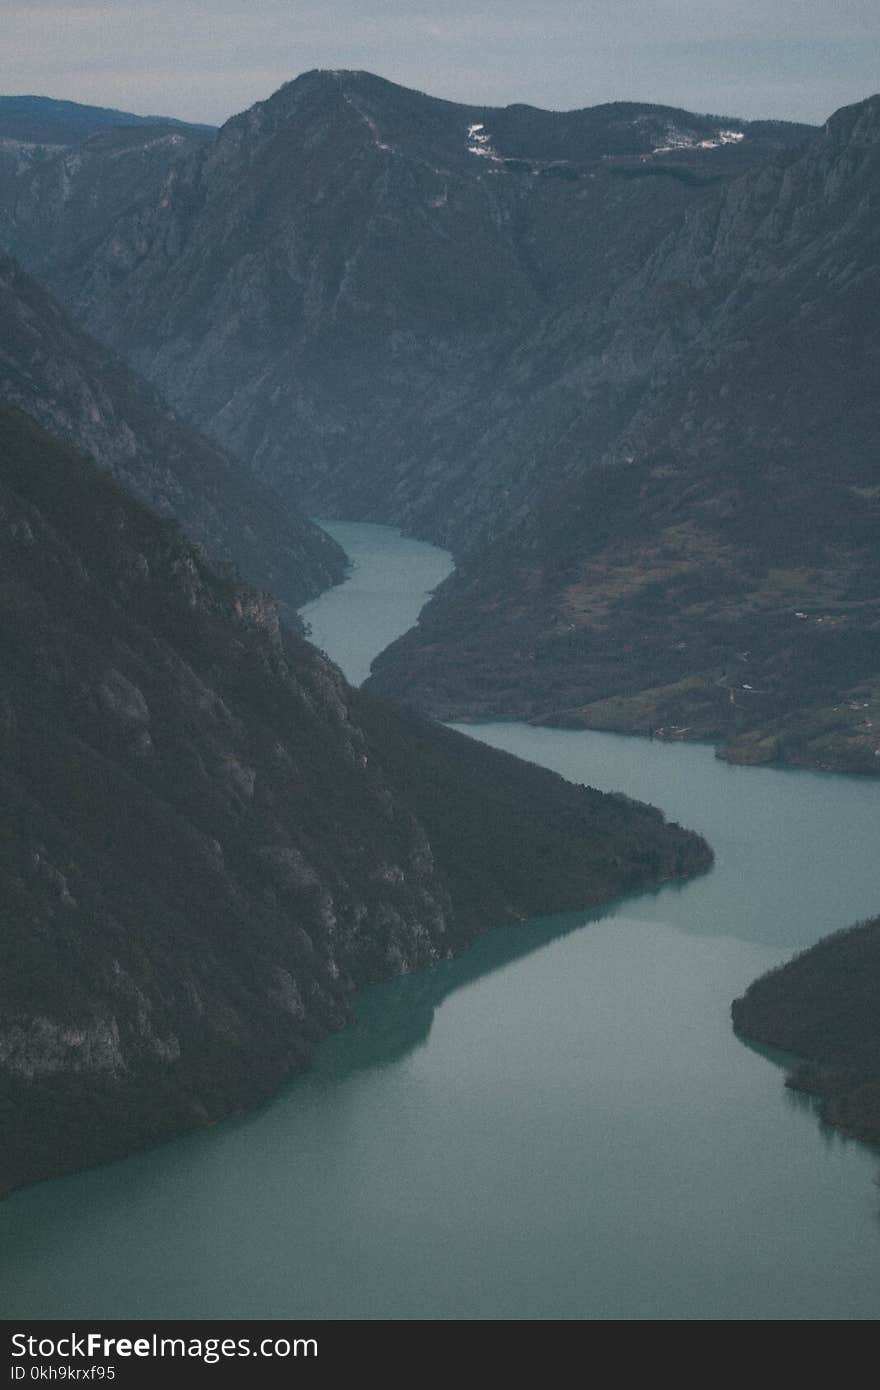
(34, 120)
(66, 171)
(717, 575)
(76, 389)
(209, 840)
(394, 303)
(623, 361)
(824, 1006)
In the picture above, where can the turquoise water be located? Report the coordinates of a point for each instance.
(560, 1124)
(389, 582)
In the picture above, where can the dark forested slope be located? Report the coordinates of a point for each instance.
(824, 1006)
(209, 840)
(79, 390)
(50, 123)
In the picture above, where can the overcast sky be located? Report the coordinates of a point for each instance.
(206, 59)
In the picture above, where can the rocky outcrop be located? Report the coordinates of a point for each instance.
(208, 840)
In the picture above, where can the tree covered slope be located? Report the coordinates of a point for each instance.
(209, 840)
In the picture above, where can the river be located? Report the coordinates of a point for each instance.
(560, 1124)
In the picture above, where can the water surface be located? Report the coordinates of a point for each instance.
(560, 1124)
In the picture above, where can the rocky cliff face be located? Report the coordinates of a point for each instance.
(395, 303)
(78, 390)
(209, 840)
(67, 171)
(716, 576)
(622, 360)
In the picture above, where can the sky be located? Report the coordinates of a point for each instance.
(204, 60)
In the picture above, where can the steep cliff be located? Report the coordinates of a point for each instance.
(76, 389)
(209, 840)
(67, 170)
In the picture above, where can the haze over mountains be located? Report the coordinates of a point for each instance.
(401, 309)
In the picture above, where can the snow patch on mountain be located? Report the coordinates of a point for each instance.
(480, 143)
(686, 140)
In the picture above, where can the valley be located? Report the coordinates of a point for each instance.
(372, 911)
(622, 361)
(567, 1097)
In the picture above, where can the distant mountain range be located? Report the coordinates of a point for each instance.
(35, 120)
(823, 1007)
(397, 305)
(66, 171)
(716, 572)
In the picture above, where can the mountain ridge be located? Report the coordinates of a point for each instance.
(376, 301)
(75, 388)
(822, 1007)
(36, 119)
(732, 595)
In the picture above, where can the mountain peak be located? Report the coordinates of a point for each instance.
(333, 79)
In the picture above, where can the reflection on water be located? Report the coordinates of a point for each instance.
(395, 1018)
(560, 1124)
